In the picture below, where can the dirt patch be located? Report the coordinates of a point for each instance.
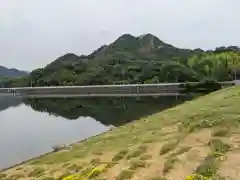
(188, 162)
(230, 167)
(199, 138)
(235, 141)
(154, 165)
(169, 129)
(113, 172)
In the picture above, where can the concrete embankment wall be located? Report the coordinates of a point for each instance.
(101, 90)
(94, 90)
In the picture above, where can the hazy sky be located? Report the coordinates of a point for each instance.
(35, 32)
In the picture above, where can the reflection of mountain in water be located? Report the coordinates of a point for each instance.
(6, 102)
(114, 111)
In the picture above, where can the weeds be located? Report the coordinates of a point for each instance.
(95, 161)
(158, 178)
(37, 172)
(19, 168)
(74, 167)
(220, 132)
(2, 176)
(16, 176)
(48, 178)
(145, 157)
(208, 168)
(65, 174)
(66, 164)
(120, 155)
(111, 164)
(218, 146)
(135, 153)
(138, 152)
(168, 165)
(168, 147)
(181, 151)
(125, 174)
(135, 164)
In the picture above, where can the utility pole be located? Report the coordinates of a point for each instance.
(122, 76)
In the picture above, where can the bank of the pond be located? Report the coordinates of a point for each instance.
(68, 146)
(198, 137)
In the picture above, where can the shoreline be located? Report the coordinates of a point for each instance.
(47, 153)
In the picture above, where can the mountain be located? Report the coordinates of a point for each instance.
(5, 72)
(130, 59)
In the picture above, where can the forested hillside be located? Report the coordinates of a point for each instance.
(6, 72)
(143, 59)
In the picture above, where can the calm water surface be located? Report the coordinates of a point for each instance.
(25, 133)
(29, 128)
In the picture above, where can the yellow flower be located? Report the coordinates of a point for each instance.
(96, 171)
(74, 177)
(196, 177)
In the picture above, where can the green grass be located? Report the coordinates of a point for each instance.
(145, 157)
(20, 168)
(218, 146)
(170, 146)
(95, 161)
(137, 163)
(74, 167)
(203, 112)
(120, 155)
(47, 178)
(37, 172)
(125, 174)
(213, 111)
(208, 168)
(137, 152)
(169, 164)
(181, 151)
(111, 164)
(63, 175)
(157, 178)
(220, 132)
(16, 176)
(2, 176)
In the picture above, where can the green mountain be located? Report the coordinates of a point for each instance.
(130, 59)
(6, 72)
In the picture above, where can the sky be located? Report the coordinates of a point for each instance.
(34, 33)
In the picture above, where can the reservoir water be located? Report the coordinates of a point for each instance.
(29, 128)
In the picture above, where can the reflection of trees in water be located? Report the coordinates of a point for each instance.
(6, 102)
(108, 110)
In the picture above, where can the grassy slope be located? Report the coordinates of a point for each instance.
(198, 136)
